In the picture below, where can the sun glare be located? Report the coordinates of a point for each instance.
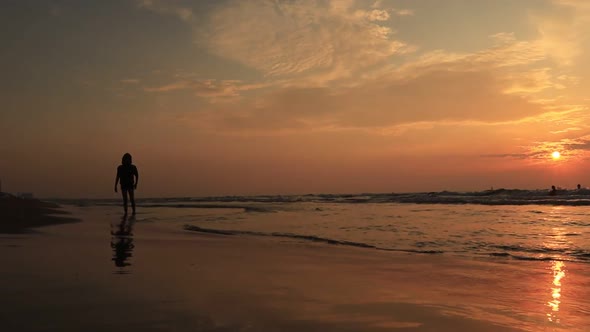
(555, 155)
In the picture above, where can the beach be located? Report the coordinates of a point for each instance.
(295, 166)
(18, 215)
(151, 274)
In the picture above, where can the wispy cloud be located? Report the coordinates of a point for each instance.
(332, 65)
(520, 65)
(209, 88)
(130, 81)
(172, 7)
(179, 85)
(507, 155)
(562, 30)
(303, 37)
(403, 12)
(396, 11)
(329, 40)
(452, 96)
(568, 148)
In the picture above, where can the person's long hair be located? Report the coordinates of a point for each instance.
(126, 160)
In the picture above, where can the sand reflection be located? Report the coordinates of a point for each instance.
(122, 243)
(558, 269)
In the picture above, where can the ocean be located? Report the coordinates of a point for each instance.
(502, 260)
(497, 224)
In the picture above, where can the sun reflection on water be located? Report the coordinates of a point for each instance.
(558, 269)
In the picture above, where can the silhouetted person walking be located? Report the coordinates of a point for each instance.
(129, 177)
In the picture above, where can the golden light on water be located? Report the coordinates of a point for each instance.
(556, 155)
(558, 269)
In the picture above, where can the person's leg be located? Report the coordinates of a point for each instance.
(132, 197)
(124, 193)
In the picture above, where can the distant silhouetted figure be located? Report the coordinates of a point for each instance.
(553, 191)
(128, 176)
(579, 186)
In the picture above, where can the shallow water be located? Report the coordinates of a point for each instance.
(154, 263)
(506, 239)
(522, 232)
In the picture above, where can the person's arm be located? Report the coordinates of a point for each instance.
(136, 178)
(116, 180)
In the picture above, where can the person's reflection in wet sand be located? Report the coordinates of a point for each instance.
(122, 243)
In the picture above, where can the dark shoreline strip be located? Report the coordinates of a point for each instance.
(18, 215)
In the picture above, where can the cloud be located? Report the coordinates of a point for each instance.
(573, 142)
(307, 37)
(562, 30)
(495, 85)
(521, 65)
(581, 5)
(568, 148)
(130, 81)
(172, 7)
(374, 15)
(506, 53)
(530, 82)
(322, 43)
(331, 67)
(437, 95)
(403, 12)
(179, 85)
(399, 12)
(209, 88)
(507, 155)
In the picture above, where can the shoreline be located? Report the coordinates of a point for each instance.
(19, 215)
(150, 274)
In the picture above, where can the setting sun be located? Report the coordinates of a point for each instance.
(556, 155)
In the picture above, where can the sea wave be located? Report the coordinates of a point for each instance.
(518, 252)
(311, 238)
(526, 258)
(487, 197)
(277, 234)
(245, 208)
(543, 253)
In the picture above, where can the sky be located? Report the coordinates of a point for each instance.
(237, 97)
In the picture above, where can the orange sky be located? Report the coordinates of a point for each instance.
(293, 97)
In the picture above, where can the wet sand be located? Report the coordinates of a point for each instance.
(106, 274)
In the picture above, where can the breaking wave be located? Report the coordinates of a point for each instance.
(487, 197)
